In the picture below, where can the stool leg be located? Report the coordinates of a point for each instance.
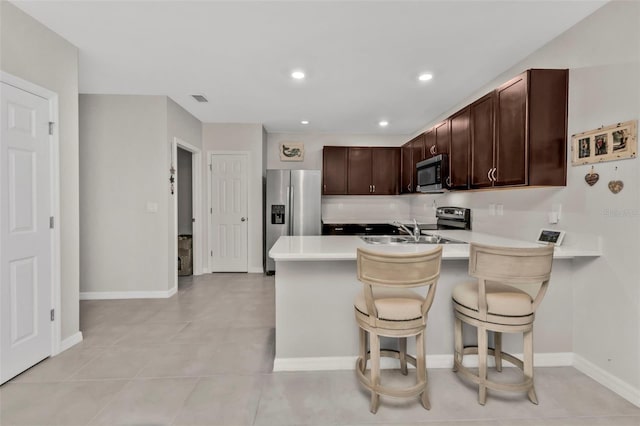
(457, 338)
(421, 367)
(497, 337)
(363, 350)
(403, 356)
(482, 364)
(528, 364)
(374, 347)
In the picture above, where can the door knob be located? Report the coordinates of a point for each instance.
(243, 219)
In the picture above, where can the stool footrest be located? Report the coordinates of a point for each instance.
(526, 384)
(414, 390)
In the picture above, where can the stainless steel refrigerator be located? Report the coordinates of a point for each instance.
(292, 207)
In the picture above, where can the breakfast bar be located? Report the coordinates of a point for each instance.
(316, 284)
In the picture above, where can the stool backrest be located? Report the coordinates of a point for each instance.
(510, 265)
(404, 270)
(399, 270)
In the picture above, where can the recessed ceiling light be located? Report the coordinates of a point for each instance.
(383, 123)
(304, 122)
(298, 75)
(425, 77)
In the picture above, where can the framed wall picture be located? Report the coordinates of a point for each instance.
(291, 151)
(608, 143)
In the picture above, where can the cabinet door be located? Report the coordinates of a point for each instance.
(408, 169)
(334, 170)
(384, 170)
(511, 132)
(417, 154)
(459, 150)
(548, 127)
(359, 171)
(443, 137)
(429, 143)
(482, 129)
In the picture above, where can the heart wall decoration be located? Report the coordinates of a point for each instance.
(616, 186)
(592, 177)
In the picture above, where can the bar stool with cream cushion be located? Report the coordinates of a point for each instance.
(388, 306)
(494, 303)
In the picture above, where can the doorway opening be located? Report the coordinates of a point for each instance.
(187, 229)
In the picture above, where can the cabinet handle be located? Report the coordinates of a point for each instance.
(493, 174)
(489, 175)
(432, 150)
(374, 188)
(369, 188)
(325, 188)
(338, 229)
(368, 229)
(449, 181)
(409, 187)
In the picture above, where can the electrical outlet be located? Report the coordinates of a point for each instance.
(492, 209)
(500, 209)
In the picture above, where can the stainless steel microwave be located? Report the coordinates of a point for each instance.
(433, 174)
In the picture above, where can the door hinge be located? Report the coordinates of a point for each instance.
(211, 253)
(53, 314)
(51, 123)
(193, 220)
(211, 210)
(210, 168)
(51, 222)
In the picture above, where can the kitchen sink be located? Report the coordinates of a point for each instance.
(397, 240)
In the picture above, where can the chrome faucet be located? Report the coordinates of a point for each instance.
(415, 233)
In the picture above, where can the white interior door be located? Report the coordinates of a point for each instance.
(229, 175)
(25, 237)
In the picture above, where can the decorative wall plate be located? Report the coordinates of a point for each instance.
(616, 186)
(591, 178)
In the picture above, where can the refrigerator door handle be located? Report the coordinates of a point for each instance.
(291, 200)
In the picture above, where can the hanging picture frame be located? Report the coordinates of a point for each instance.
(615, 142)
(291, 151)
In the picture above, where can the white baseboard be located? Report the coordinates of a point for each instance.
(109, 295)
(608, 380)
(256, 270)
(70, 341)
(553, 359)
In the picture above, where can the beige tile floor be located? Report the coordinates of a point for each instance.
(205, 357)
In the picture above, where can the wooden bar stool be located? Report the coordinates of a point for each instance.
(388, 307)
(493, 303)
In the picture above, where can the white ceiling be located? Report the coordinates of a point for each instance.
(362, 58)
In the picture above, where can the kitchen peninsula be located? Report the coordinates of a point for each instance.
(316, 284)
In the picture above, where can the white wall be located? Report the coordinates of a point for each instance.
(342, 208)
(604, 88)
(34, 53)
(124, 167)
(238, 137)
(125, 156)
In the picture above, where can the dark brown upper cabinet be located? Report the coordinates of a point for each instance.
(430, 147)
(482, 131)
(407, 169)
(518, 132)
(373, 171)
(385, 163)
(443, 137)
(459, 150)
(334, 170)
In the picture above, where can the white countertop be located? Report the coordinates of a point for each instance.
(344, 247)
(336, 221)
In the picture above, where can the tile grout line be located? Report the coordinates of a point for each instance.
(179, 410)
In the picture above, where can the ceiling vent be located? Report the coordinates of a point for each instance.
(200, 98)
